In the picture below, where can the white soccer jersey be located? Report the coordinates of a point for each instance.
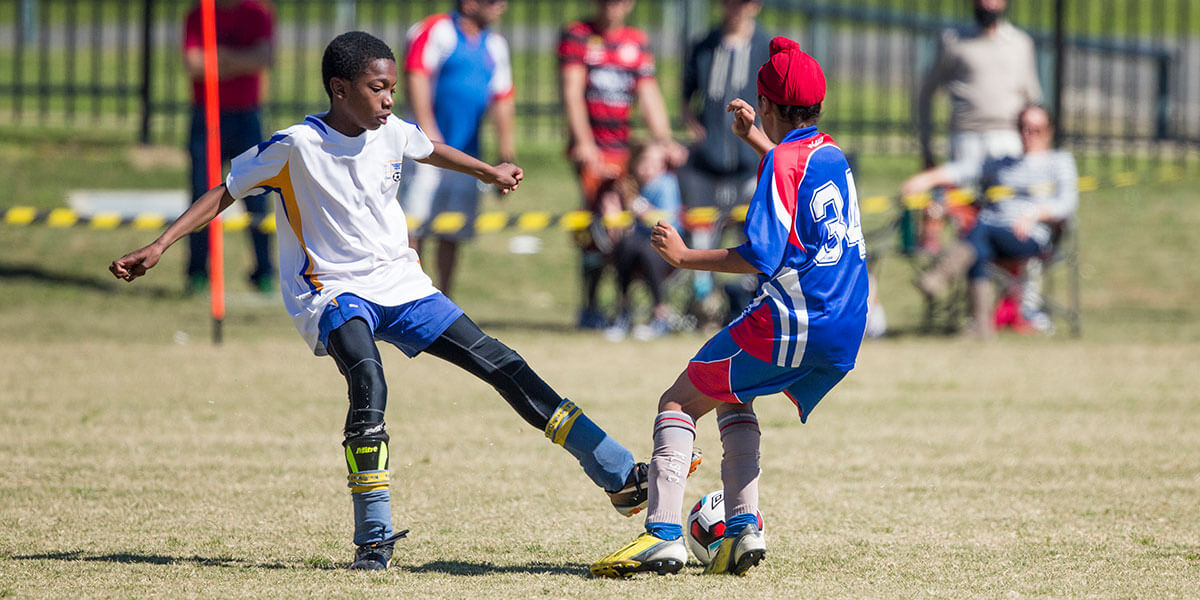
(340, 228)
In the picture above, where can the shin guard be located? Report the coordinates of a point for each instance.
(367, 460)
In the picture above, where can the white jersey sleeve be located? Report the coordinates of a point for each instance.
(256, 165)
(501, 85)
(416, 144)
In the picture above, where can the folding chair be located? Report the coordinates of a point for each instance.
(1059, 268)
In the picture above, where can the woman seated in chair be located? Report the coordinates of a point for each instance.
(1029, 195)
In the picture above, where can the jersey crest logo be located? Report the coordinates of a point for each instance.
(594, 54)
(628, 53)
(396, 166)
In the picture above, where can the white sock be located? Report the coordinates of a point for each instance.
(739, 466)
(674, 436)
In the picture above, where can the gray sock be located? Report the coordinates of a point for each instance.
(674, 436)
(739, 466)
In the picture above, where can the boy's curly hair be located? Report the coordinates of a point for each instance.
(800, 116)
(348, 55)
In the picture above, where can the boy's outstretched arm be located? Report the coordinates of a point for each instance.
(665, 239)
(136, 263)
(505, 176)
(743, 127)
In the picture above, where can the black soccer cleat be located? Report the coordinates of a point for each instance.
(375, 556)
(632, 499)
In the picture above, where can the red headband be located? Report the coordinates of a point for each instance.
(791, 77)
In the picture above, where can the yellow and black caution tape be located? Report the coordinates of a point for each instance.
(64, 217)
(536, 221)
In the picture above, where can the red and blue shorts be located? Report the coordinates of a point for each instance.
(722, 370)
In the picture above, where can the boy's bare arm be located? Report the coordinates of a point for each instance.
(136, 263)
(583, 142)
(665, 239)
(505, 176)
(743, 127)
(654, 110)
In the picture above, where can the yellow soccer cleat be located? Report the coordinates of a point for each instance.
(644, 555)
(738, 554)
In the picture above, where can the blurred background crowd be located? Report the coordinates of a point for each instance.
(984, 95)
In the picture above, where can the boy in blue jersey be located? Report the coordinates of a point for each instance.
(349, 278)
(800, 335)
(457, 72)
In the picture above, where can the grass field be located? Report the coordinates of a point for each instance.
(142, 461)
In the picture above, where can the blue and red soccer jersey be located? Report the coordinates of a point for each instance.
(802, 331)
(468, 74)
(804, 235)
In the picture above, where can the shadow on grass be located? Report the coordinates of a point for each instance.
(43, 275)
(449, 567)
(151, 559)
(101, 283)
(455, 567)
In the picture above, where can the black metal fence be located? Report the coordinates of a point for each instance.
(1120, 75)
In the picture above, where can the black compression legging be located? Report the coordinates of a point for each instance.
(487, 358)
(353, 349)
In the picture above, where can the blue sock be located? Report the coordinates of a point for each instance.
(606, 462)
(372, 516)
(735, 524)
(665, 531)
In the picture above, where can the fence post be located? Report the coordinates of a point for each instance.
(1162, 121)
(347, 13)
(147, 58)
(28, 26)
(1060, 61)
(695, 23)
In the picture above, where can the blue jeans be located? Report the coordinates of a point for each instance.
(992, 242)
(239, 131)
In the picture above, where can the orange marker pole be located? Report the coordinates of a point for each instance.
(212, 120)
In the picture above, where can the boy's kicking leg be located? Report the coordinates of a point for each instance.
(661, 549)
(606, 462)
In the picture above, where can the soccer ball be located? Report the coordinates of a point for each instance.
(706, 526)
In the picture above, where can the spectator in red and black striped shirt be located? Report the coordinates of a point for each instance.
(606, 66)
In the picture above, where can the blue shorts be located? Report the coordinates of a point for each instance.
(722, 370)
(411, 327)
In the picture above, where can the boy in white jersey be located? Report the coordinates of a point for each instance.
(348, 277)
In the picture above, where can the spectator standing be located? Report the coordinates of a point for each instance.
(720, 172)
(990, 74)
(606, 67)
(245, 30)
(457, 72)
(1045, 190)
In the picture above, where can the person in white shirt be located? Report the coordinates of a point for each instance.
(348, 277)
